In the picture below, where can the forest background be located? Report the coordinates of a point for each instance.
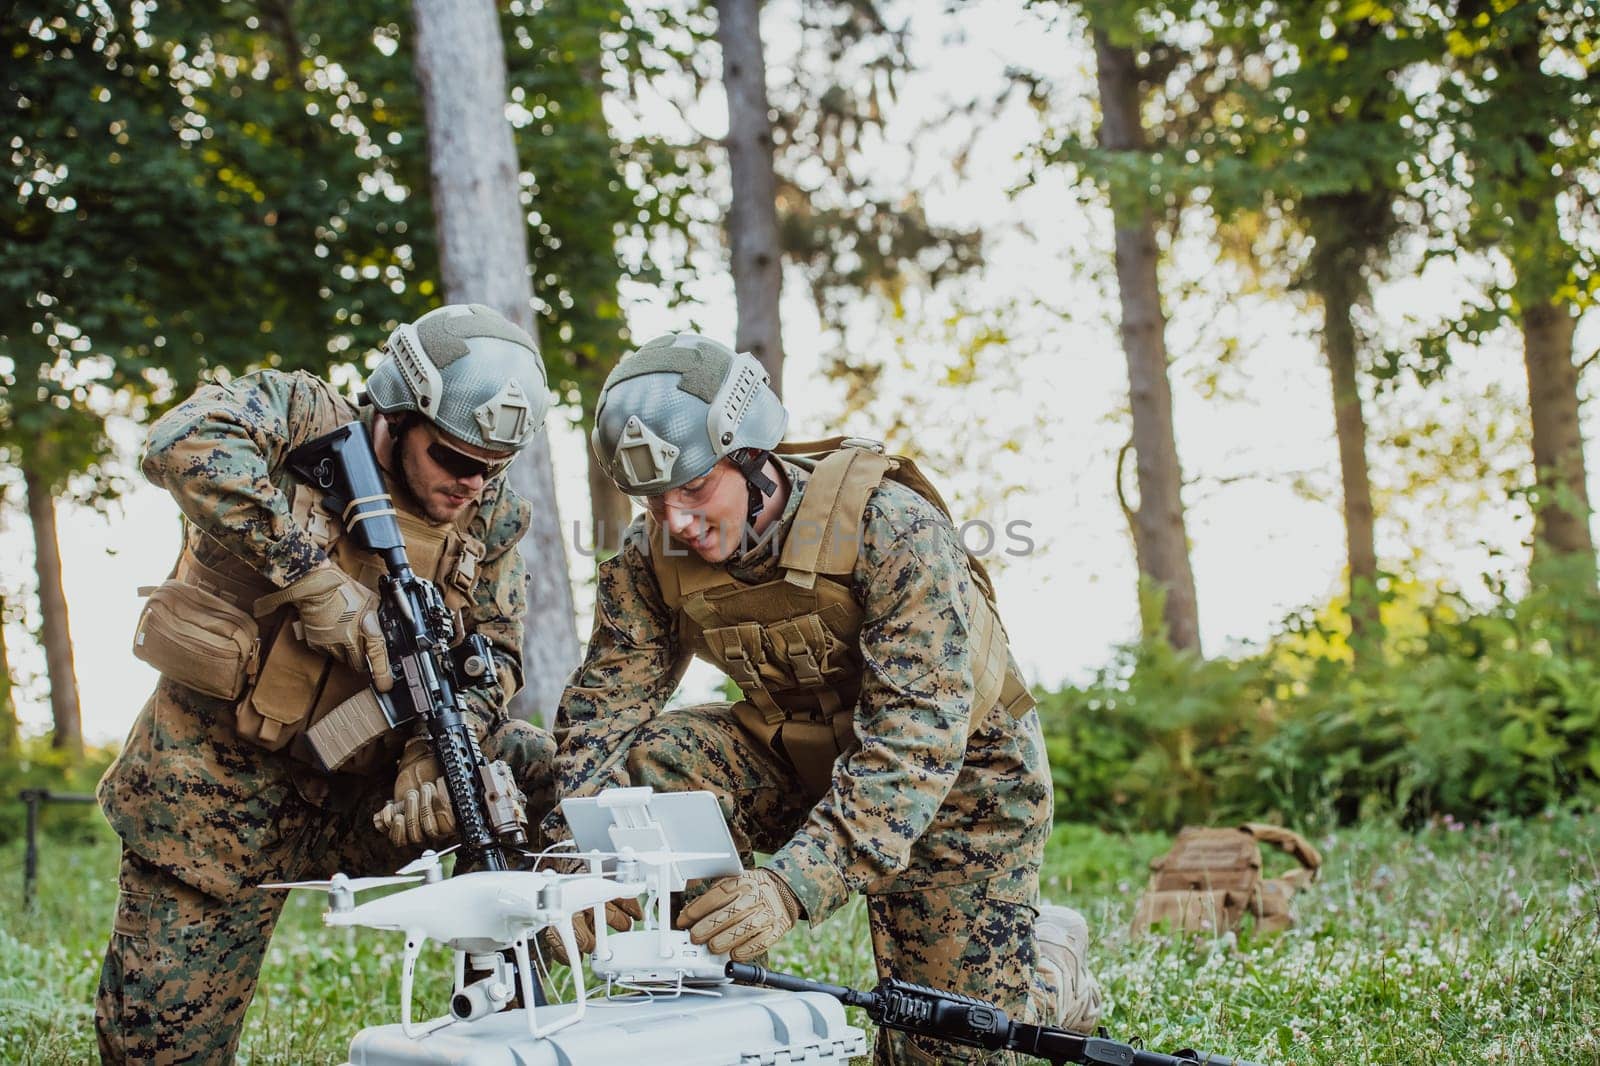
(1269, 320)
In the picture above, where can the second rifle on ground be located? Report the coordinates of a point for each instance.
(958, 1019)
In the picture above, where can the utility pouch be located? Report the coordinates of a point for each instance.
(286, 690)
(197, 639)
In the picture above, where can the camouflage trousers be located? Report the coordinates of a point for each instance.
(182, 964)
(975, 938)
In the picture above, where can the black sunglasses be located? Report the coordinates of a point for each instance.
(461, 465)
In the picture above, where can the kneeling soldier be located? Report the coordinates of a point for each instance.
(267, 626)
(885, 744)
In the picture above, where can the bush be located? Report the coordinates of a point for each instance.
(35, 764)
(1152, 742)
(1457, 712)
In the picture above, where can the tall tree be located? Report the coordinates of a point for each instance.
(1321, 143)
(590, 193)
(150, 190)
(1522, 104)
(10, 731)
(1141, 118)
(460, 64)
(168, 159)
(753, 212)
(1161, 542)
(64, 708)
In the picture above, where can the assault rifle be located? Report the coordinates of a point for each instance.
(418, 630)
(958, 1019)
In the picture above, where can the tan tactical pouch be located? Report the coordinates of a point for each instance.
(297, 686)
(1212, 878)
(197, 639)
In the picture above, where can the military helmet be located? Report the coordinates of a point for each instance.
(669, 411)
(469, 371)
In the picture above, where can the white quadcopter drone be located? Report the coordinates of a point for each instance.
(482, 914)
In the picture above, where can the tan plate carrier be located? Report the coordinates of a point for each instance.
(284, 686)
(791, 644)
(1212, 878)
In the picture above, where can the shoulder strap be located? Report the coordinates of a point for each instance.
(813, 449)
(1307, 856)
(911, 476)
(825, 537)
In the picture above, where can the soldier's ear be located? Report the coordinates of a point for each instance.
(388, 431)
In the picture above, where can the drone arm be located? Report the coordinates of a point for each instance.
(597, 913)
(563, 930)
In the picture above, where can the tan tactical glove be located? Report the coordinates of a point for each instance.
(620, 916)
(742, 916)
(421, 811)
(339, 616)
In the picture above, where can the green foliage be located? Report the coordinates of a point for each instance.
(1148, 743)
(849, 234)
(1465, 713)
(195, 185)
(33, 763)
(1519, 109)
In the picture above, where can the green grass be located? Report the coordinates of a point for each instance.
(1453, 944)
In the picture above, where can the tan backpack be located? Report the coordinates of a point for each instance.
(1212, 878)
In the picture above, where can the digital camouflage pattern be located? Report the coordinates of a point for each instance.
(204, 815)
(934, 820)
(975, 939)
(222, 453)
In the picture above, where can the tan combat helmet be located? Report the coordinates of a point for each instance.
(469, 371)
(671, 410)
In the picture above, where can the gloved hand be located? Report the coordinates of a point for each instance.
(420, 812)
(620, 916)
(742, 916)
(339, 616)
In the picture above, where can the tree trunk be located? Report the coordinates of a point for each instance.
(483, 252)
(10, 730)
(1161, 539)
(57, 635)
(1338, 291)
(610, 511)
(1562, 512)
(753, 215)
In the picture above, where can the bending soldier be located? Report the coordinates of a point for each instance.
(267, 625)
(885, 743)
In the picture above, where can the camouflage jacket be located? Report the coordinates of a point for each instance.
(221, 454)
(919, 801)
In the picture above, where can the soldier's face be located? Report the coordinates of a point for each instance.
(705, 515)
(445, 475)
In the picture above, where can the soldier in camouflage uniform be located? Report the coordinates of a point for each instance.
(885, 744)
(267, 626)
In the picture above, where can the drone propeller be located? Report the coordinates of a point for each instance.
(353, 884)
(426, 861)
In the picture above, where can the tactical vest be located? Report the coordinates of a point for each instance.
(290, 686)
(792, 644)
(1212, 878)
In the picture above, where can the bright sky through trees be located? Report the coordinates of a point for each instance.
(1254, 429)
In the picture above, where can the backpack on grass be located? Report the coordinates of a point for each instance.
(1212, 878)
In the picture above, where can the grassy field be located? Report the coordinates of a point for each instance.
(1453, 944)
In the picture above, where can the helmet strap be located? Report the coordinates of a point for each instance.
(753, 467)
